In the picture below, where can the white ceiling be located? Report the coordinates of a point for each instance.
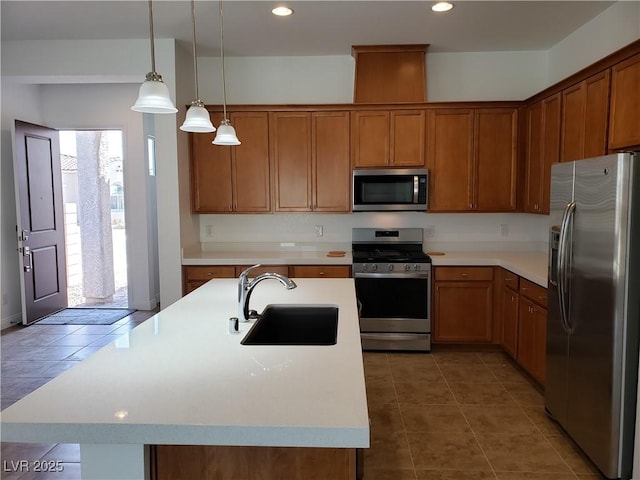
(316, 28)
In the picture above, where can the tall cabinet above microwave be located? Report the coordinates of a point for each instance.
(390, 189)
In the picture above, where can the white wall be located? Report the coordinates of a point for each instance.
(453, 77)
(21, 102)
(330, 79)
(617, 26)
(479, 231)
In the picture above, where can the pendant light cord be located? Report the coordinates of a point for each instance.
(195, 57)
(224, 89)
(153, 51)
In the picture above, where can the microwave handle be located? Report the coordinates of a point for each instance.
(416, 188)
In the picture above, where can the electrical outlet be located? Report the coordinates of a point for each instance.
(504, 230)
(209, 230)
(319, 230)
(429, 231)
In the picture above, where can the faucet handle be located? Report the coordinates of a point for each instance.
(245, 273)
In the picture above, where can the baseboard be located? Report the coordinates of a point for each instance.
(10, 321)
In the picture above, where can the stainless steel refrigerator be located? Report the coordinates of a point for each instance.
(594, 306)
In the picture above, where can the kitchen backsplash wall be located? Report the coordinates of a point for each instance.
(473, 231)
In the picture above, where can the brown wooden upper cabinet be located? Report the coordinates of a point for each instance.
(388, 138)
(543, 149)
(585, 112)
(310, 161)
(624, 128)
(232, 179)
(472, 157)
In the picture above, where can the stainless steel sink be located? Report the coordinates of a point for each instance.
(284, 324)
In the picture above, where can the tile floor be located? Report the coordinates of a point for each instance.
(440, 416)
(33, 355)
(453, 415)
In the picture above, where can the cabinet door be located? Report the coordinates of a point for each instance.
(533, 173)
(450, 159)
(624, 124)
(251, 163)
(509, 340)
(290, 138)
(407, 148)
(495, 135)
(584, 118)
(463, 311)
(543, 149)
(211, 178)
(532, 337)
(370, 138)
(330, 162)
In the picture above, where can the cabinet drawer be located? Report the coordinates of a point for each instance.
(533, 292)
(510, 279)
(320, 271)
(209, 272)
(281, 269)
(464, 273)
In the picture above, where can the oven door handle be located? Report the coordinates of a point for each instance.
(398, 276)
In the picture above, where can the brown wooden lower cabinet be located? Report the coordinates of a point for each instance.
(194, 276)
(510, 303)
(189, 462)
(463, 304)
(524, 323)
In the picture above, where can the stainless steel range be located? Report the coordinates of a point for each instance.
(392, 275)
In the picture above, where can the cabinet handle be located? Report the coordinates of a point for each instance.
(542, 297)
(513, 298)
(321, 273)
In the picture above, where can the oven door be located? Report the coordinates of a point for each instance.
(394, 302)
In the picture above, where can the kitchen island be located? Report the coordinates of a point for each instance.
(181, 378)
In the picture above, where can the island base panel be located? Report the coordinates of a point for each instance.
(181, 462)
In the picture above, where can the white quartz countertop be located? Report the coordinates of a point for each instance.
(530, 265)
(250, 253)
(181, 378)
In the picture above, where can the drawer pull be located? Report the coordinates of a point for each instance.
(321, 273)
(464, 274)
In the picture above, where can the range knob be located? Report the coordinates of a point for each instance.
(390, 267)
(416, 267)
(407, 267)
(374, 267)
(365, 267)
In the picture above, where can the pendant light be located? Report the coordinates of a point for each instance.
(226, 133)
(197, 119)
(153, 96)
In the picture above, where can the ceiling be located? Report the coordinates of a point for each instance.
(315, 28)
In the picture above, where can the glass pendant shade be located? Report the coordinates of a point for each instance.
(226, 134)
(197, 119)
(153, 96)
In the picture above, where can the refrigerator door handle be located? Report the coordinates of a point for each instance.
(564, 265)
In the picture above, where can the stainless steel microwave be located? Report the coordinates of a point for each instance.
(390, 189)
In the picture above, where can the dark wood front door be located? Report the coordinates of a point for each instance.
(40, 220)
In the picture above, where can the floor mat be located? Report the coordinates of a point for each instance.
(86, 316)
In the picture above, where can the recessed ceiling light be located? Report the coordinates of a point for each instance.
(282, 11)
(442, 7)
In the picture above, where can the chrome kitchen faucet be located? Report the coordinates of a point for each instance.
(245, 287)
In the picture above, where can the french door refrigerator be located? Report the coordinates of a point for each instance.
(594, 306)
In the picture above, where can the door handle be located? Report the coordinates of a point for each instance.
(24, 236)
(26, 253)
(564, 265)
